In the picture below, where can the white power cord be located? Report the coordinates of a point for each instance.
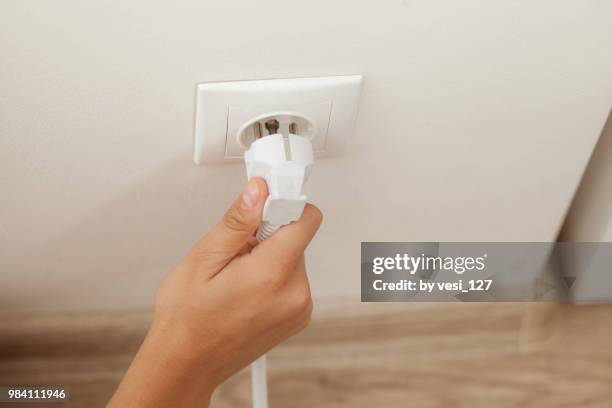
(259, 383)
(284, 162)
(259, 377)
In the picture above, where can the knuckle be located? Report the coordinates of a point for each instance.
(206, 255)
(234, 221)
(300, 303)
(303, 323)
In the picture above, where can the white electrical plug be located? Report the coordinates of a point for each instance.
(285, 163)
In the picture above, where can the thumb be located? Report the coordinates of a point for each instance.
(217, 248)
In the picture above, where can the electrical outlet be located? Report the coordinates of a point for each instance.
(318, 112)
(284, 123)
(223, 108)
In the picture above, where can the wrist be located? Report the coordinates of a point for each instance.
(166, 371)
(176, 352)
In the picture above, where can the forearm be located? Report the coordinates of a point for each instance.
(164, 373)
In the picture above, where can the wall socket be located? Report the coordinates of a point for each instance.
(283, 123)
(223, 108)
(318, 112)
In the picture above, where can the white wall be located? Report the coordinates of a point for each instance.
(476, 123)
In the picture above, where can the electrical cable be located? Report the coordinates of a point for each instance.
(259, 378)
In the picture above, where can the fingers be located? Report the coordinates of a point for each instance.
(217, 248)
(287, 293)
(287, 245)
(294, 300)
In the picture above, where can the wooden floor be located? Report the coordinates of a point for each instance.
(359, 355)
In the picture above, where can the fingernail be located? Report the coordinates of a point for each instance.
(250, 195)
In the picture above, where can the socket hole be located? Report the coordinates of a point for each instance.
(275, 123)
(272, 126)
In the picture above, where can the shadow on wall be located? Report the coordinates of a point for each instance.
(132, 240)
(590, 220)
(590, 216)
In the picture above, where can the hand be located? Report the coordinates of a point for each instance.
(227, 303)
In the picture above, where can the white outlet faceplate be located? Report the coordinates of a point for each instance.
(223, 107)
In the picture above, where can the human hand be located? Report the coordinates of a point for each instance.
(227, 303)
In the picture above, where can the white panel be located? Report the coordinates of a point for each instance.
(223, 107)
